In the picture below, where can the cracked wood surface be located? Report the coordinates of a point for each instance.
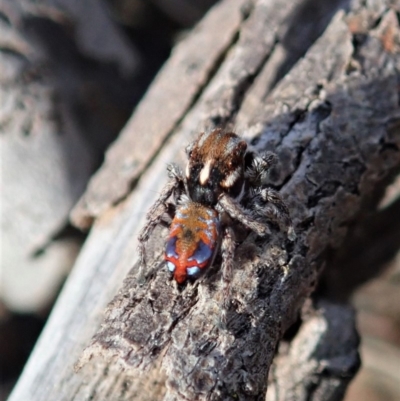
(334, 122)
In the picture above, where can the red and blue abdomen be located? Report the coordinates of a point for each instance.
(193, 240)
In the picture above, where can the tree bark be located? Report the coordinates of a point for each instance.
(319, 362)
(334, 122)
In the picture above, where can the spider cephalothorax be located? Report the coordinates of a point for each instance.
(215, 166)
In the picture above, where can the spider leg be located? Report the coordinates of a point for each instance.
(257, 172)
(237, 212)
(228, 247)
(154, 216)
(176, 174)
(269, 204)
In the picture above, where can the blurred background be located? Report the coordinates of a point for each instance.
(68, 84)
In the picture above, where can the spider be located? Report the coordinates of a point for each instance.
(222, 186)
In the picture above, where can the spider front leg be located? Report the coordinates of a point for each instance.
(268, 204)
(257, 172)
(238, 213)
(174, 187)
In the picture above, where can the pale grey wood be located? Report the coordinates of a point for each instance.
(46, 159)
(45, 164)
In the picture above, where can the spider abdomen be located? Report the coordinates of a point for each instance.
(193, 240)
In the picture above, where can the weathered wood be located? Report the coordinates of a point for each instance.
(45, 166)
(319, 362)
(334, 123)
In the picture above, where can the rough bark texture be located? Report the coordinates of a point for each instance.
(321, 359)
(334, 123)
